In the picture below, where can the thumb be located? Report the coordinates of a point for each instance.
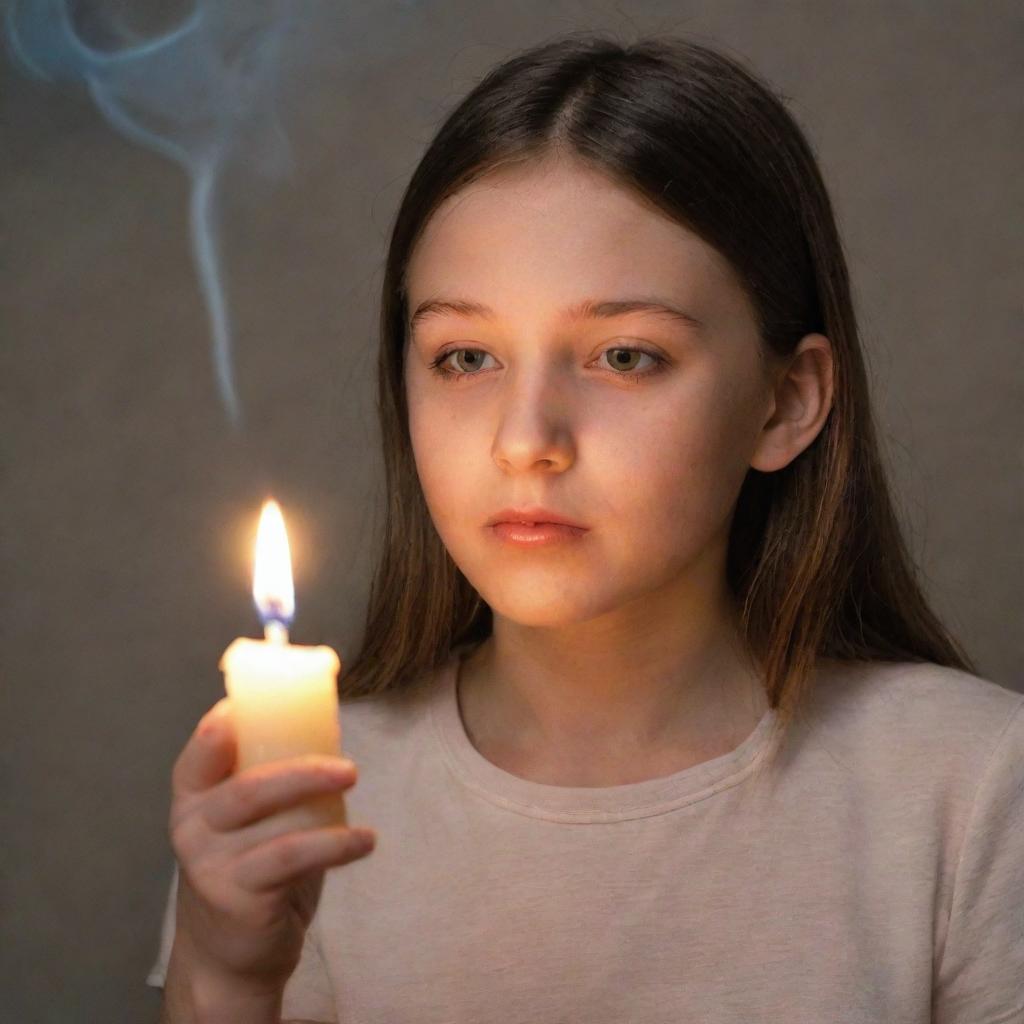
(210, 753)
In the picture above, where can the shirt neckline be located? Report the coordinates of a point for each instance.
(582, 804)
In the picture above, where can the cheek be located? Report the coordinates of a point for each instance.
(444, 473)
(432, 468)
(426, 430)
(680, 470)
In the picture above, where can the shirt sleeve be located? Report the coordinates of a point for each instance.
(308, 996)
(980, 979)
(158, 972)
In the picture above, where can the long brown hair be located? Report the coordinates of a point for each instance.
(816, 557)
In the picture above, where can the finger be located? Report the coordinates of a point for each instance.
(209, 755)
(286, 859)
(265, 789)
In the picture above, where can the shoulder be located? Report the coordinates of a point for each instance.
(375, 722)
(923, 767)
(933, 696)
(914, 718)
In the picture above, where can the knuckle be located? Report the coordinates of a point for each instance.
(246, 793)
(183, 839)
(288, 853)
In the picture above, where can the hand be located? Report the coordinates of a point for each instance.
(248, 881)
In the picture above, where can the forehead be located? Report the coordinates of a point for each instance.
(557, 229)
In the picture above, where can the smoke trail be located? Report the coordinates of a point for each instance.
(196, 94)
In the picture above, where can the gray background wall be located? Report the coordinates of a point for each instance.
(128, 505)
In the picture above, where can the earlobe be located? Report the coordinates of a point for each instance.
(801, 403)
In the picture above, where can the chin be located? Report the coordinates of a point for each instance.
(542, 607)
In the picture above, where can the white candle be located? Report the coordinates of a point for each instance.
(283, 696)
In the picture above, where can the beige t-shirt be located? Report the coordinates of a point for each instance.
(879, 879)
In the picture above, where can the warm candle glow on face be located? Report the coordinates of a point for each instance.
(272, 587)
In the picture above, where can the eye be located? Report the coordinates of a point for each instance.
(476, 358)
(615, 358)
(621, 358)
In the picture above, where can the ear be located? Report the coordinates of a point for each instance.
(801, 401)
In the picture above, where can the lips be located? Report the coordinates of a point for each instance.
(533, 515)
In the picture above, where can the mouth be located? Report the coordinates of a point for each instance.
(536, 534)
(534, 517)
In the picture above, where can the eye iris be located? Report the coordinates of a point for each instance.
(622, 356)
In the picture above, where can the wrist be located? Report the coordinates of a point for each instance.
(228, 1001)
(215, 998)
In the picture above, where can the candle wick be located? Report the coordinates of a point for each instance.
(274, 632)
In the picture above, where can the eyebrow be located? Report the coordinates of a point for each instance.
(588, 309)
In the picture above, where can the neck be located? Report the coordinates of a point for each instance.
(606, 694)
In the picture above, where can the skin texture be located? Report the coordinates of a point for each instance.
(615, 657)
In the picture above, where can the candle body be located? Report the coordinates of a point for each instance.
(284, 703)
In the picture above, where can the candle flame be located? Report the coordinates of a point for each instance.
(272, 587)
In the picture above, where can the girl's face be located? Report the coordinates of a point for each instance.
(648, 449)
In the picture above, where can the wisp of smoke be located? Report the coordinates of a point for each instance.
(197, 94)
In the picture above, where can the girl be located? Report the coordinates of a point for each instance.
(702, 751)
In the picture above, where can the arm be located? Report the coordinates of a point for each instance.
(979, 972)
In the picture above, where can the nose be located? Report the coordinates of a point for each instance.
(534, 426)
